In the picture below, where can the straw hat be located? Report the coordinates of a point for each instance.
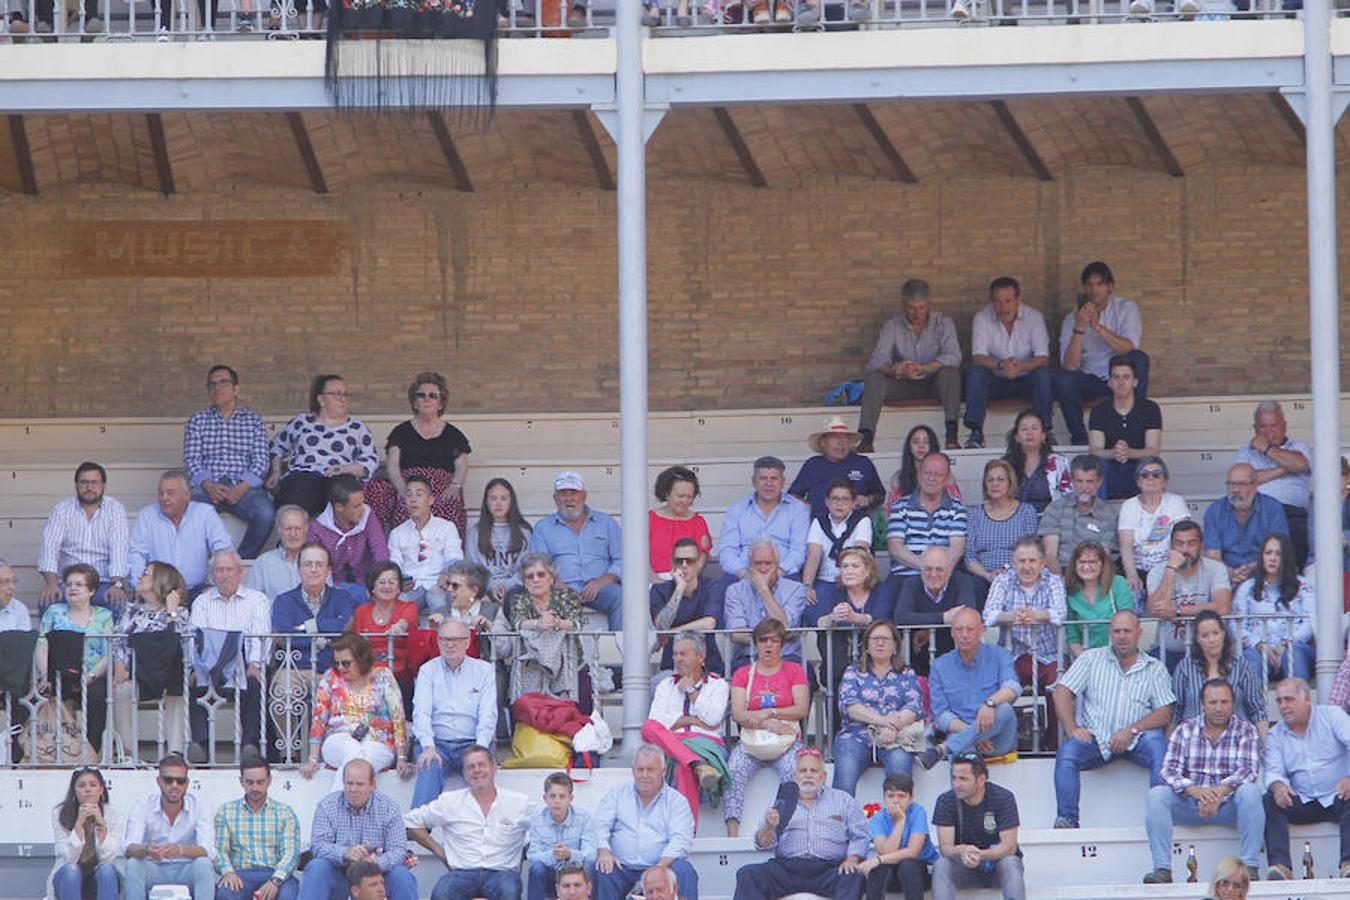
(835, 425)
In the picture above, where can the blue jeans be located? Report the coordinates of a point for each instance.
(431, 780)
(143, 874)
(256, 509)
(617, 884)
(1003, 734)
(1244, 808)
(68, 882)
(254, 879)
(1073, 389)
(982, 385)
(1304, 658)
(492, 884)
(325, 880)
(609, 601)
(853, 754)
(1077, 756)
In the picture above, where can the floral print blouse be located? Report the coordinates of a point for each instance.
(337, 707)
(137, 618)
(894, 692)
(564, 602)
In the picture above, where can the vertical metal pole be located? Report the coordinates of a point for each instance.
(1323, 301)
(632, 217)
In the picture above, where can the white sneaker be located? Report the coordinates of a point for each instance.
(960, 10)
(1141, 7)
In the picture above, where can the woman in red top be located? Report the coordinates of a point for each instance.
(676, 488)
(384, 615)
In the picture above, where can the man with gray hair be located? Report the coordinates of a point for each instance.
(1237, 524)
(916, 357)
(585, 546)
(1283, 470)
(278, 570)
(767, 512)
(763, 593)
(642, 825)
(224, 610)
(660, 883)
(179, 531)
(686, 721)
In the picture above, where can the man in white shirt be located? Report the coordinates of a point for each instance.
(1009, 357)
(480, 833)
(454, 708)
(171, 837)
(88, 528)
(278, 570)
(228, 606)
(423, 546)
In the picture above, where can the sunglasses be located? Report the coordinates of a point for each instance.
(456, 585)
(1150, 473)
(427, 395)
(809, 751)
(531, 576)
(344, 663)
(685, 560)
(174, 779)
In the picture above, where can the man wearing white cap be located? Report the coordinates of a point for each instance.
(585, 545)
(836, 445)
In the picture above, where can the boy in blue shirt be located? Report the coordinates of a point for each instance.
(559, 835)
(900, 837)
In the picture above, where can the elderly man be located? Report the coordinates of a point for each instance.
(170, 838)
(1182, 586)
(1009, 357)
(454, 708)
(1125, 699)
(480, 833)
(89, 528)
(916, 357)
(660, 883)
(1103, 326)
(926, 518)
(1283, 470)
(1081, 516)
(354, 825)
(257, 840)
(1237, 524)
(1307, 774)
(686, 719)
(18, 645)
(179, 531)
(766, 513)
(1125, 430)
(933, 599)
(639, 825)
(278, 570)
(586, 546)
(228, 606)
(977, 824)
(763, 593)
(819, 837)
(226, 457)
(837, 459)
(352, 535)
(972, 690)
(1209, 777)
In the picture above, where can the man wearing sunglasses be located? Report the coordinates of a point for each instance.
(170, 837)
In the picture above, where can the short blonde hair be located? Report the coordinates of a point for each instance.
(1232, 870)
(869, 562)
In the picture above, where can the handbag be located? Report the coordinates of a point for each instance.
(761, 743)
(912, 738)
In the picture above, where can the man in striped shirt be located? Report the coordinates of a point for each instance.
(1126, 700)
(257, 840)
(87, 528)
(926, 518)
(1209, 778)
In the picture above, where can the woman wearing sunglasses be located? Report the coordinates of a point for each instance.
(1146, 521)
(88, 838)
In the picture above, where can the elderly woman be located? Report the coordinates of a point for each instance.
(386, 620)
(769, 701)
(546, 656)
(996, 524)
(862, 597)
(1283, 644)
(87, 834)
(677, 489)
(1042, 474)
(466, 584)
(315, 446)
(144, 663)
(880, 701)
(1214, 655)
(358, 713)
(84, 673)
(1092, 592)
(1231, 880)
(1146, 521)
(499, 537)
(425, 445)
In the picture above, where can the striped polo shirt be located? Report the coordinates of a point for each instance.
(920, 529)
(1113, 699)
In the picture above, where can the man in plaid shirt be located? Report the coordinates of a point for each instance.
(1209, 778)
(225, 454)
(257, 840)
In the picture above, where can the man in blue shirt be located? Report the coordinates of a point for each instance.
(176, 530)
(767, 512)
(838, 459)
(643, 824)
(585, 545)
(357, 824)
(1307, 777)
(1237, 525)
(972, 690)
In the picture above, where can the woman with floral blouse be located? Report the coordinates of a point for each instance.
(879, 702)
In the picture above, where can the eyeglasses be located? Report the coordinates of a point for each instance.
(426, 395)
(531, 576)
(684, 560)
(174, 779)
(1150, 473)
(456, 585)
(89, 482)
(452, 640)
(1232, 484)
(219, 382)
(344, 663)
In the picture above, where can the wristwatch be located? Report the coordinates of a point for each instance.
(277, 880)
(990, 703)
(1134, 731)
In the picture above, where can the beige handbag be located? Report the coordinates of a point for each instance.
(761, 743)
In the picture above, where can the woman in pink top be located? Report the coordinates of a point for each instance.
(676, 488)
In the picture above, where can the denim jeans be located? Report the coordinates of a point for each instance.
(853, 754)
(982, 385)
(143, 874)
(491, 884)
(68, 881)
(1304, 658)
(1077, 756)
(254, 879)
(1008, 875)
(1002, 734)
(1243, 808)
(1074, 388)
(609, 601)
(431, 780)
(256, 509)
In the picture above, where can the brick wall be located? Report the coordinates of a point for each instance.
(757, 296)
